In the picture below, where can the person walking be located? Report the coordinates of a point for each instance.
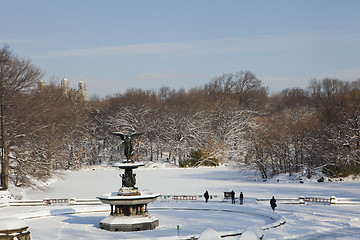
(273, 203)
(206, 196)
(232, 197)
(241, 198)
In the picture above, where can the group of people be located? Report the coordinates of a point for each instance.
(232, 193)
(241, 198)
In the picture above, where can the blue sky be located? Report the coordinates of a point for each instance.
(116, 45)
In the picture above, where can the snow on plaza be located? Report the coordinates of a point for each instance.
(184, 219)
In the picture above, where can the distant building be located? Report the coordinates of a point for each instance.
(41, 85)
(82, 90)
(65, 87)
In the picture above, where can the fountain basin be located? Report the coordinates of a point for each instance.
(124, 165)
(115, 199)
(128, 213)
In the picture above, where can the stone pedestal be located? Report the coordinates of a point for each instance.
(129, 223)
(14, 228)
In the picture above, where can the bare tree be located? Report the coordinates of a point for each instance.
(16, 75)
(242, 87)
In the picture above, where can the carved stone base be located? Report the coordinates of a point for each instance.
(126, 191)
(129, 224)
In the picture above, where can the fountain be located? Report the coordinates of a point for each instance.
(129, 210)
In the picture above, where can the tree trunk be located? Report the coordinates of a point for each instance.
(4, 156)
(151, 152)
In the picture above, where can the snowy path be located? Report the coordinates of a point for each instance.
(62, 222)
(318, 221)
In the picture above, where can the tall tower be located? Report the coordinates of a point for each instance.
(82, 90)
(41, 85)
(65, 85)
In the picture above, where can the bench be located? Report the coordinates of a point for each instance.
(227, 196)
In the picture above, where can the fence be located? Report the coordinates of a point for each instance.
(320, 200)
(184, 197)
(181, 197)
(168, 198)
(55, 202)
(317, 200)
(73, 201)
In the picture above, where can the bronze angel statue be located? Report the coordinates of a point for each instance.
(128, 143)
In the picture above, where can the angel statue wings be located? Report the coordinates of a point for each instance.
(128, 143)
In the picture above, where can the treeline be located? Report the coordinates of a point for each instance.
(309, 130)
(214, 119)
(232, 118)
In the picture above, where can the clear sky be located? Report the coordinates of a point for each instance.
(113, 45)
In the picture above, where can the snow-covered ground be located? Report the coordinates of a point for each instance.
(309, 221)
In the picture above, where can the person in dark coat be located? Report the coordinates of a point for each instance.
(241, 198)
(206, 196)
(273, 203)
(232, 197)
